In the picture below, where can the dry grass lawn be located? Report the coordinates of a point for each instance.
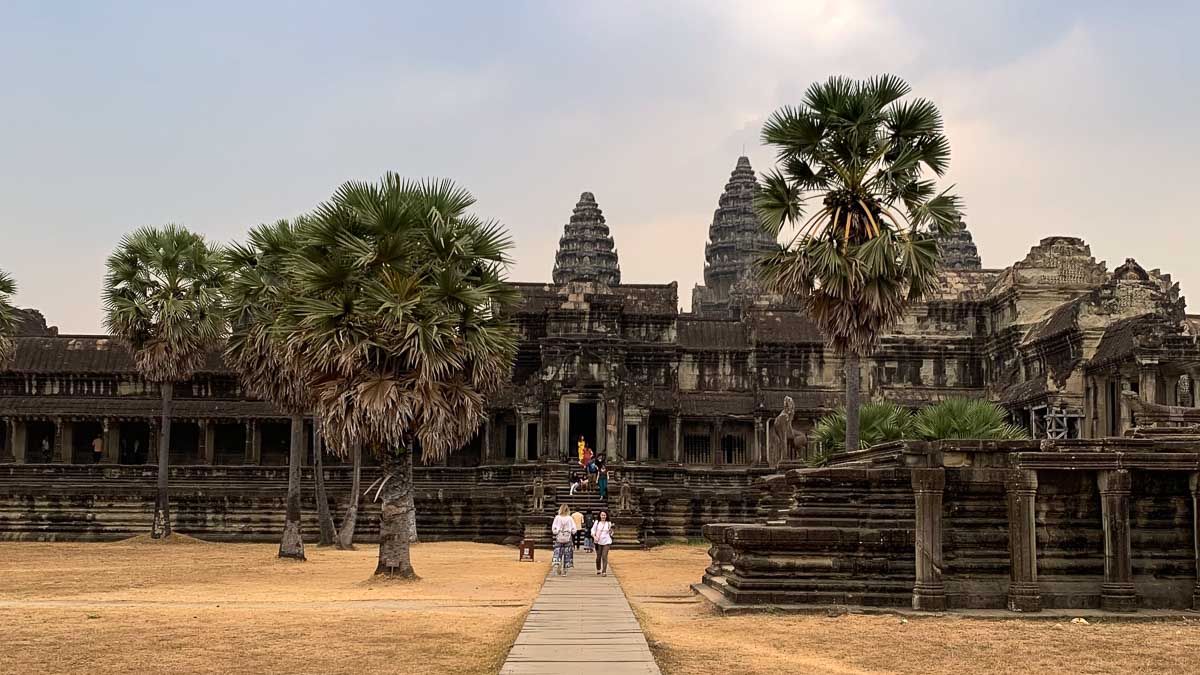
(196, 607)
(689, 638)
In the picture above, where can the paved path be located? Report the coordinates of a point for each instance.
(580, 623)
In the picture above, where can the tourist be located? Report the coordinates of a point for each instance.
(563, 529)
(576, 482)
(98, 448)
(579, 530)
(582, 448)
(587, 530)
(603, 482)
(602, 535)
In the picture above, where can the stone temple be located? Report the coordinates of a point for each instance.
(683, 404)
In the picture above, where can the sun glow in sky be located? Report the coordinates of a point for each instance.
(1072, 118)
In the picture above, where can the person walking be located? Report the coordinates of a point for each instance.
(603, 482)
(563, 529)
(580, 532)
(602, 535)
(587, 529)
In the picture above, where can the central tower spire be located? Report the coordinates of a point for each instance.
(586, 251)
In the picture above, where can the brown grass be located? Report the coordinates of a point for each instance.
(150, 607)
(689, 638)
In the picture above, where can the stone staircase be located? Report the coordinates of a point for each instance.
(626, 528)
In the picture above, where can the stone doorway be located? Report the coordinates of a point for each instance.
(581, 421)
(134, 446)
(39, 442)
(82, 435)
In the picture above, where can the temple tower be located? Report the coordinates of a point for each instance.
(586, 251)
(735, 240)
(958, 249)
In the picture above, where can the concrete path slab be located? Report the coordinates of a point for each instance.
(580, 624)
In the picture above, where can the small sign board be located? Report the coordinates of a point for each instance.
(526, 550)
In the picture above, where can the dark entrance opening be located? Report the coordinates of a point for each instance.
(276, 441)
(581, 422)
(510, 441)
(185, 443)
(39, 442)
(82, 435)
(631, 436)
(470, 454)
(531, 442)
(229, 443)
(134, 446)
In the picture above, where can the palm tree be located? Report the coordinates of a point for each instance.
(859, 153)
(401, 318)
(256, 291)
(8, 317)
(880, 423)
(964, 418)
(163, 297)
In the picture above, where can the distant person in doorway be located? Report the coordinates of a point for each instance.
(602, 535)
(563, 530)
(97, 448)
(46, 450)
(582, 448)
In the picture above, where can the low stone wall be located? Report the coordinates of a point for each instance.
(65, 502)
(1101, 525)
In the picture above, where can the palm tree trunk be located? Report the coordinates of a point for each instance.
(345, 539)
(162, 506)
(852, 401)
(292, 544)
(412, 514)
(324, 517)
(394, 533)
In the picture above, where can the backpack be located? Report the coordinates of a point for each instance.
(562, 537)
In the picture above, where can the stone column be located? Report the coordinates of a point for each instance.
(207, 440)
(929, 593)
(6, 452)
(643, 449)
(63, 442)
(677, 451)
(253, 442)
(19, 439)
(522, 454)
(1194, 484)
(760, 445)
(1148, 384)
(1024, 595)
(112, 442)
(1117, 594)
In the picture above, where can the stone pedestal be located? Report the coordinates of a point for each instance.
(929, 593)
(1117, 594)
(1194, 483)
(1023, 592)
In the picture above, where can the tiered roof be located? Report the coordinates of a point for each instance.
(735, 238)
(586, 251)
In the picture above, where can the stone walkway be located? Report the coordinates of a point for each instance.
(580, 623)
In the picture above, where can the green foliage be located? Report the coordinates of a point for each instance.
(398, 315)
(8, 287)
(879, 423)
(958, 418)
(860, 153)
(257, 289)
(962, 418)
(163, 296)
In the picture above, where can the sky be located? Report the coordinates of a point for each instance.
(1065, 118)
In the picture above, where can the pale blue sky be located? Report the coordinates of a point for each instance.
(1064, 118)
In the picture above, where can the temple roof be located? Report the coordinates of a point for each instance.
(735, 238)
(84, 354)
(958, 249)
(586, 251)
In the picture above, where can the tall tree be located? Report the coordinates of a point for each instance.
(8, 317)
(861, 154)
(163, 297)
(256, 292)
(401, 315)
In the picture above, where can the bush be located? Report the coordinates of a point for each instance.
(963, 418)
(878, 423)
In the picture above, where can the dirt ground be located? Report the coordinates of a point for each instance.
(688, 638)
(196, 607)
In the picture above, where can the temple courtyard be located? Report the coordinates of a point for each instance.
(189, 606)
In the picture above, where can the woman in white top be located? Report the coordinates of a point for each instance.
(563, 529)
(602, 535)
